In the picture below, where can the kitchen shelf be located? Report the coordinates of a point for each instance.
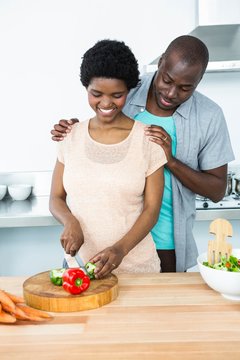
(35, 212)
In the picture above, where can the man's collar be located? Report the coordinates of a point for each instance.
(184, 109)
(140, 98)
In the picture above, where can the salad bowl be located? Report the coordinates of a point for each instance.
(227, 283)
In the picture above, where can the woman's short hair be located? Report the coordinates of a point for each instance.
(110, 59)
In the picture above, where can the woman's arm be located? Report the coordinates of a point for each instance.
(111, 257)
(72, 236)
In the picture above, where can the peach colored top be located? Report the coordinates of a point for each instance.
(105, 190)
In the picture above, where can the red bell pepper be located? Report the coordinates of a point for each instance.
(75, 281)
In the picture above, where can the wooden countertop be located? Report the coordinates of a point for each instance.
(156, 316)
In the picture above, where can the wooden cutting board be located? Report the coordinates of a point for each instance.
(41, 294)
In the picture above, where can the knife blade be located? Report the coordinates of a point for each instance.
(74, 261)
(79, 261)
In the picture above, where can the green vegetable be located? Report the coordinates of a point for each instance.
(90, 267)
(232, 264)
(56, 276)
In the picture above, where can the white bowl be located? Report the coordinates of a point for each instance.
(3, 191)
(19, 191)
(225, 282)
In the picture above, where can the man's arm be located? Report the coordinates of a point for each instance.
(61, 129)
(208, 183)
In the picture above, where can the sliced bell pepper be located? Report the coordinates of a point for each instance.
(75, 281)
(90, 267)
(56, 276)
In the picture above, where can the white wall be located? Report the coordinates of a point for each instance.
(41, 44)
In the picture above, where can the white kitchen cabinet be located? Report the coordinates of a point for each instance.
(30, 250)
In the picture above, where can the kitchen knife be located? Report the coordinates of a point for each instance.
(79, 261)
(75, 261)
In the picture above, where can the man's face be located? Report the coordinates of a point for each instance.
(175, 82)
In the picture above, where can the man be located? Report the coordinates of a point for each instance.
(192, 130)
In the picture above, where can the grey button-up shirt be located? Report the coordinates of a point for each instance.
(203, 143)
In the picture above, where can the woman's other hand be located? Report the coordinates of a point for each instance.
(107, 260)
(72, 237)
(61, 129)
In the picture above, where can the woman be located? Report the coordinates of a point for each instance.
(108, 181)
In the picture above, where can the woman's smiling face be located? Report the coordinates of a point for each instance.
(107, 97)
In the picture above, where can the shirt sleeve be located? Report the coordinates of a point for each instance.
(61, 151)
(156, 157)
(217, 150)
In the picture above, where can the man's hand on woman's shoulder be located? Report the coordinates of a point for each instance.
(61, 129)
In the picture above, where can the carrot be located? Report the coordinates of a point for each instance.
(4, 299)
(6, 318)
(18, 313)
(35, 318)
(12, 308)
(31, 312)
(14, 298)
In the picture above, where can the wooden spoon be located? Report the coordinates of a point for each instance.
(219, 247)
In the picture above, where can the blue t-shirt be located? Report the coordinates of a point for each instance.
(162, 232)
